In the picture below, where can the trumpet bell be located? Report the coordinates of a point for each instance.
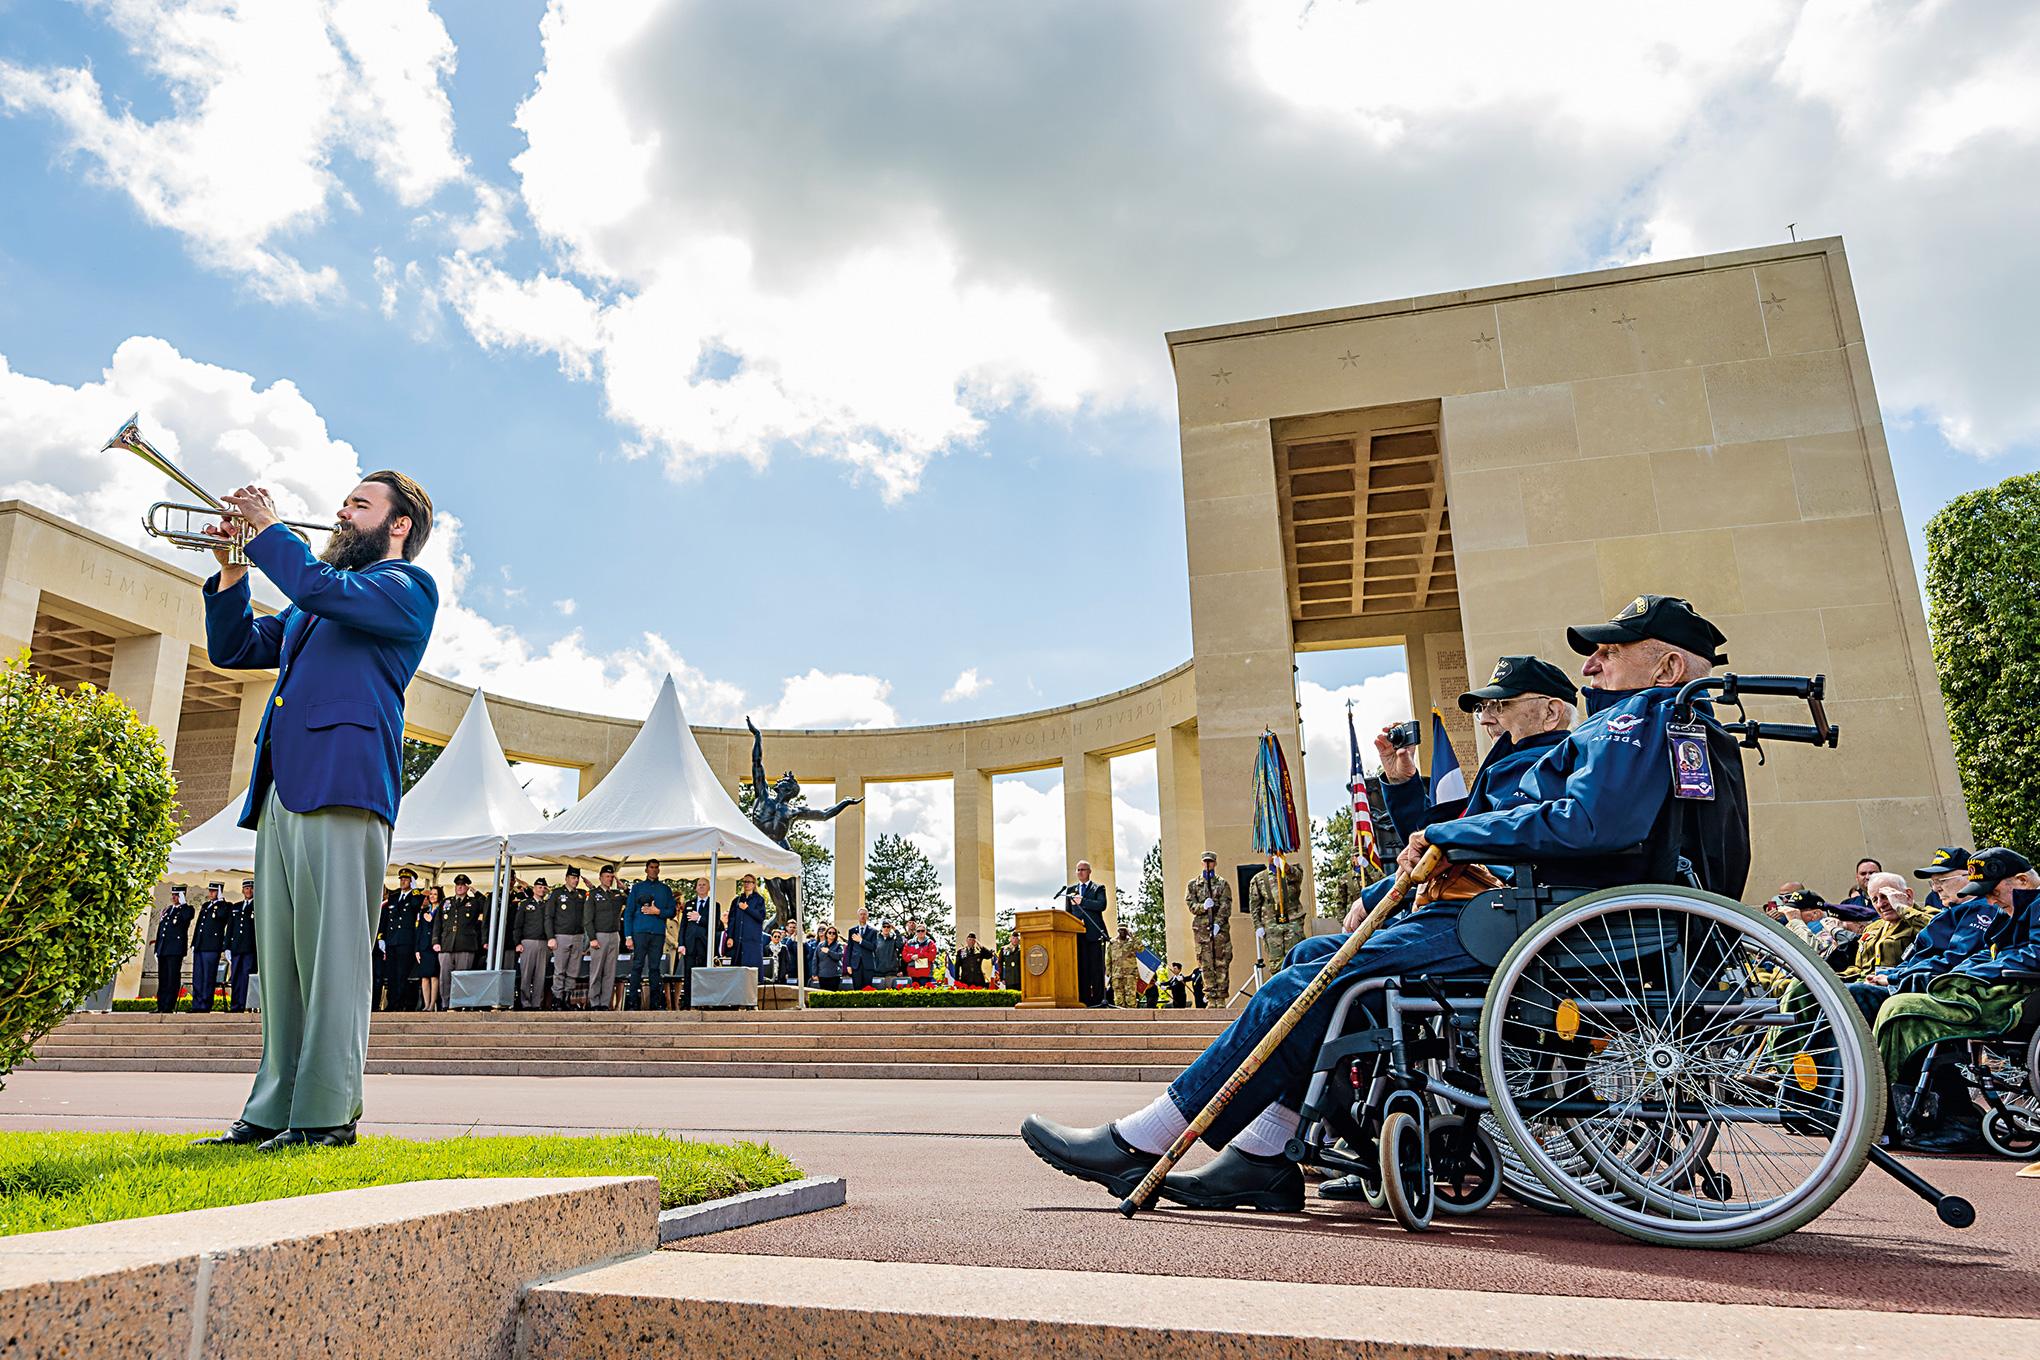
(184, 525)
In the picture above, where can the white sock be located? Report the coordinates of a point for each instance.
(1269, 1133)
(1154, 1127)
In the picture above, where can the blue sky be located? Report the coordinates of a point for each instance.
(830, 352)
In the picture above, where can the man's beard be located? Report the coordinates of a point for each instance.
(352, 548)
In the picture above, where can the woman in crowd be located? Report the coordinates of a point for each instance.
(829, 960)
(427, 972)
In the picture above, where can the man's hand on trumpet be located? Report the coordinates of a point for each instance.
(252, 507)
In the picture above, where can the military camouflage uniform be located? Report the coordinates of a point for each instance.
(1212, 931)
(1279, 918)
(1124, 968)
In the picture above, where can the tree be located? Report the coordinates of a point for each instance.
(1149, 917)
(87, 814)
(1983, 597)
(418, 758)
(817, 877)
(900, 885)
(1332, 839)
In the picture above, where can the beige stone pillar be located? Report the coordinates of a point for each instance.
(1087, 821)
(849, 866)
(975, 894)
(148, 672)
(254, 699)
(1244, 644)
(19, 602)
(1181, 796)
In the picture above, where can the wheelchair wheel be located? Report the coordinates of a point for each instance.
(1640, 1066)
(1466, 1167)
(2008, 1137)
(1405, 1179)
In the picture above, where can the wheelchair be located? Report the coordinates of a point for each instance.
(1627, 1059)
(2002, 1075)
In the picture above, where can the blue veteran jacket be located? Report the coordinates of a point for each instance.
(744, 929)
(1499, 783)
(2010, 942)
(332, 733)
(654, 893)
(1593, 796)
(1934, 949)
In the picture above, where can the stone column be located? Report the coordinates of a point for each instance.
(1242, 637)
(849, 824)
(254, 699)
(975, 894)
(1181, 795)
(148, 672)
(1087, 820)
(19, 602)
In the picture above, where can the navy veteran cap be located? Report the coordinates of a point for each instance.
(1949, 859)
(1515, 676)
(1806, 899)
(1667, 618)
(1988, 868)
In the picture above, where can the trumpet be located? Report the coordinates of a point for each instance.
(179, 522)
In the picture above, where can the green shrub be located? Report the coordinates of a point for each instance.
(86, 824)
(1985, 615)
(913, 996)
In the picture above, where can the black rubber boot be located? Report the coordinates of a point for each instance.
(1098, 1155)
(1239, 1180)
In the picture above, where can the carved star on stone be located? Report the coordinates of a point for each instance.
(1484, 340)
(1348, 359)
(1626, 321)
(1222, 376)
(1773, 303)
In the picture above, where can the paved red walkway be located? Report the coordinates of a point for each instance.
(936, 1174)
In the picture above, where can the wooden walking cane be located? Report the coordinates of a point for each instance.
(1144, 1194)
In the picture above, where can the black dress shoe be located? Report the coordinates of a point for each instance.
(240, 1133)
(340, 1135)
(1098, 1155)
(289, 1138)
(1344, 1188)
(1239, 1180)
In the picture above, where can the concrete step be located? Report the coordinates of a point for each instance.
(855, 1071)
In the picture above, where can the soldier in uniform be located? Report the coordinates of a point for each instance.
(241, 947)
(1125, 968)
(605, 938)
(1211, 905)
(528, 910)
(566, 934)
(208, 942)
(396, 944)
(172, 939)
(458, 934)
(1275, 896)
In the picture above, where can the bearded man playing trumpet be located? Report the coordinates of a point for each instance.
(328, 762)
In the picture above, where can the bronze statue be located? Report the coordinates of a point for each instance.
(774, 811)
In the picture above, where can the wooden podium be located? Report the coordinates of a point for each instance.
(1048, 958)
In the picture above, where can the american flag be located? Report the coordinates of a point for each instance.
(1366, 857)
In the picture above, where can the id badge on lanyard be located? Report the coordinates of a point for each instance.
(1692, 768)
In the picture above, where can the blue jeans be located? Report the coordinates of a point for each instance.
(1422, 942)
(647, 965)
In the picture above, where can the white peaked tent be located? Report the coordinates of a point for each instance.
(661, 800)
(458, 814)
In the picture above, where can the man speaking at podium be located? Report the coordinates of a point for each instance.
(328, 765)
(1086, 900)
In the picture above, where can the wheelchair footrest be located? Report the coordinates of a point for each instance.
(1356, 1044)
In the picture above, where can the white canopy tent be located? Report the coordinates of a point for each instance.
(661, 801)
(218, 845)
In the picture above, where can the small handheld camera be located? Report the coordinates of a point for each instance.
(1403, 735)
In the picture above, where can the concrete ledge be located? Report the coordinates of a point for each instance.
(430, 1268)
(711, 1306)
(755, 1206)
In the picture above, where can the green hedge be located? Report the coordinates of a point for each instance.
(87, 815)
(909, 997)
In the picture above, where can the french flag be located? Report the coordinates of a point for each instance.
(1448, 784)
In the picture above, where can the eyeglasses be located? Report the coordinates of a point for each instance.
(1481, 707)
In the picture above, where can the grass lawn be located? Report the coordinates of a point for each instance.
(60, 1180)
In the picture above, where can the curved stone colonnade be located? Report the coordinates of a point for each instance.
(96, 610)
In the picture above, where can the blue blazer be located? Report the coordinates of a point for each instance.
(332, 732)
(744, 929)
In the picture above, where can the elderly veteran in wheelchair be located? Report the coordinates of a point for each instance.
(1593, 807)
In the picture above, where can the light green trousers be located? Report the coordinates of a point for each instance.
(318, 880)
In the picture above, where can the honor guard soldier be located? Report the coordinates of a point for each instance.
(173, 939)
(208, 942)
(528, 909)
(605, 938)
(1211, 905)
(1275, 896)
(241, 947)
(566, 934)
(1125, 965)
(460, 933)
(396, 943)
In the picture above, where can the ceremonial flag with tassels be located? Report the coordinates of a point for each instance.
(1366, 856)
(1274, 800)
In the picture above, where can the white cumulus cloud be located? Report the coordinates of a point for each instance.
(969, 684)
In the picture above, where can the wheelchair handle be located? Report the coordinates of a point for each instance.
(1731, 689)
